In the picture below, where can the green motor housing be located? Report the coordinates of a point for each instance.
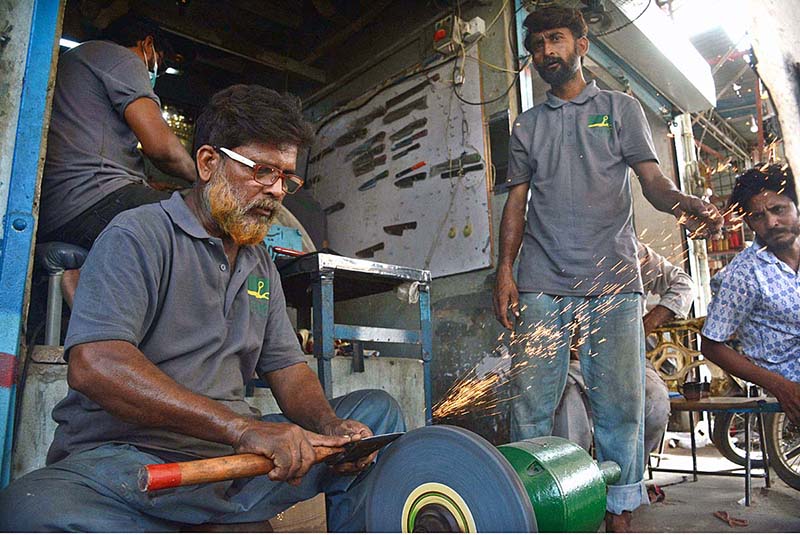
(567, 488)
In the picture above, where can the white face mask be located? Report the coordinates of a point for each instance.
(154, 73)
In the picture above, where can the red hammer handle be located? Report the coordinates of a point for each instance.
(166, 476)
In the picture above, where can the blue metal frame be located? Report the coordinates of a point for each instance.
(326, 330)
(19, 219)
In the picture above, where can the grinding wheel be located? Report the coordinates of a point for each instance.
(446, 479)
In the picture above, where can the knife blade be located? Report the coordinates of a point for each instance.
(407, 182)
(419, 104)
(410, 140)
(400, 154)
(372, 182)
(411, 92)
(462, 171)
(409, 128)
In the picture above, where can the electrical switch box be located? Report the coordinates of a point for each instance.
(447, 35)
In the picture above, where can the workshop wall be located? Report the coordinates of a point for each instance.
(465, 332)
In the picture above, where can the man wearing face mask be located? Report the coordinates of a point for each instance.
(103, 106)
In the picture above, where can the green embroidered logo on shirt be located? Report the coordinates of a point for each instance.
(258, 290)
(600, 121)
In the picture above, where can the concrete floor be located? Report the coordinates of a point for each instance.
(689, 506)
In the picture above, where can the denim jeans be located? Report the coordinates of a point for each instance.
(96, 490)
(611, 353)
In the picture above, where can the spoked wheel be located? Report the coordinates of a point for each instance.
(783, 447)
(728, 436)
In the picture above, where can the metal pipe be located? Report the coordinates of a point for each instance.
(759, 119)
(52, 332)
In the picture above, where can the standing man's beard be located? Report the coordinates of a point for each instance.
(562, 75)
(233, 216)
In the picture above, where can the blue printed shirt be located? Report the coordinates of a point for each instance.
(757, 301)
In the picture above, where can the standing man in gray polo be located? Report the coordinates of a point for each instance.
(578, 271)
(179, 305)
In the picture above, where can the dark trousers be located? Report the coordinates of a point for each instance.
(84, 229)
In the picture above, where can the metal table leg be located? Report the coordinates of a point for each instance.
(762, 438)
(427, 346)
(747, 463)
(694, 446)
(323, 328)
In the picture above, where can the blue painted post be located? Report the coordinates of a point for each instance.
(19, 221)
(427, 346)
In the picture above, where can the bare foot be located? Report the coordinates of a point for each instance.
(618, 523)
(69, 282)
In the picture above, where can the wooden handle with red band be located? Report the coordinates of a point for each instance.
(166, 476)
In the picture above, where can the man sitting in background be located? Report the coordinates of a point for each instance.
(103, 106)
(758, 295)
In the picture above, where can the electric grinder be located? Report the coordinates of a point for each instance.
(446, 479)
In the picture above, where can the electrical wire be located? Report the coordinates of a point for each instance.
(498, 97)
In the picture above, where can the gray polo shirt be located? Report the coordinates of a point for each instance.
(91, 150)
(156, 279)
(579, 238)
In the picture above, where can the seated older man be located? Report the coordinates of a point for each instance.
(758, 295)
(177, 307)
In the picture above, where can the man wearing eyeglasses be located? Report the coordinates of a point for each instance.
(178, 307)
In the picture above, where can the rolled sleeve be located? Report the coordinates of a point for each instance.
(126, 82)
(118, 291)
(731, 305)
(281, 348)
(635, 136)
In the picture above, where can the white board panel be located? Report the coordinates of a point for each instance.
(452, 215)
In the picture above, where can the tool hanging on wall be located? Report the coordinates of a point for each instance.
(350, 136)
(410, 140)
(369, 155)
(313, 180)
(402, 153)
(361, 122)
(335, 207)
(462, 171)
(369, 252)
(364, 147)
(369, 166)
(407, 182)
(398, 229)
(456, 163)
(407, 170)
(320, 155)
(411, 92)
(419, 104)
(409, 128)
(369, 184)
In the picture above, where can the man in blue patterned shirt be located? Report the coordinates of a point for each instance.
(758, 295)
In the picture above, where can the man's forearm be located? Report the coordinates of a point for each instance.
(175, 161)
(662, 194)
(737, 364)
(512, 225)
(119, 378)
(300, 396)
